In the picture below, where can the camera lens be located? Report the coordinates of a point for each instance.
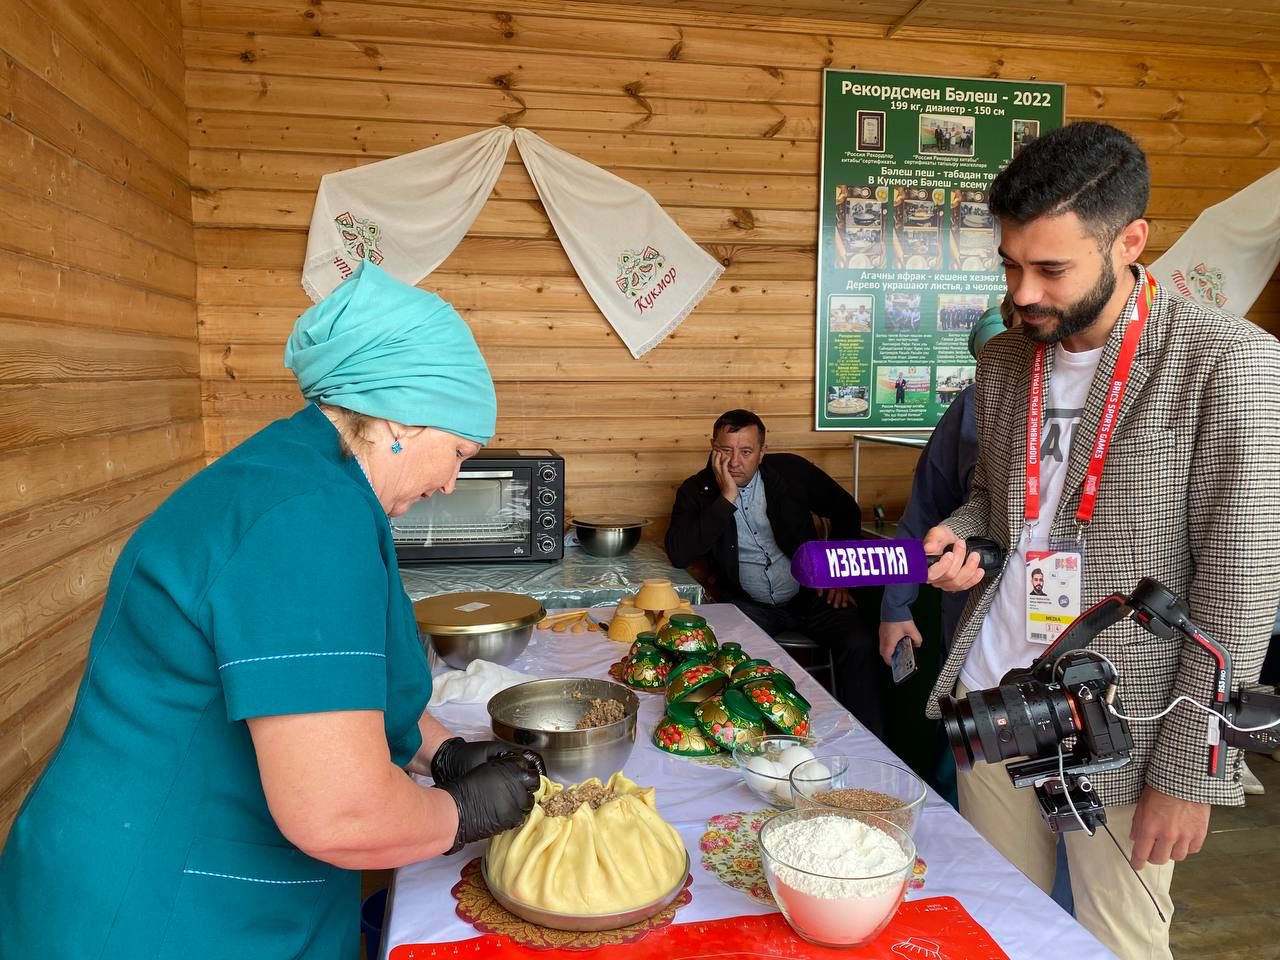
(962, 732)
(1012, 720)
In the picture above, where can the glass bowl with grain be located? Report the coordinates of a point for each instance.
(861, 784)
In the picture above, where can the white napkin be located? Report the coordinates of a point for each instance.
(1226, 257)
(406, 214)
(480, 681)
(643, 271)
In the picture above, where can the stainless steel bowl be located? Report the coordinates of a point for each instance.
(608, 536)
(498, 646)
(584, 922)
(543, 715)
(478, 625)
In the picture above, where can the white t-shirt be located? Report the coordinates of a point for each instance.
(1002, 641)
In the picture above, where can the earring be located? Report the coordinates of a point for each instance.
(395, 447)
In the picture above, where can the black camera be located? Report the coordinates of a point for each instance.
(1069, 694)
(1028, 717)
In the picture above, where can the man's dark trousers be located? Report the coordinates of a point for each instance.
(859, 671)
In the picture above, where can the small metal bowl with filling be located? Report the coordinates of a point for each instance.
(582, 727)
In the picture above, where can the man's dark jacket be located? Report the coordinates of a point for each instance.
(703, 526)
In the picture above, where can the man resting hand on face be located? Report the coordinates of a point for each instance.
(745, 514)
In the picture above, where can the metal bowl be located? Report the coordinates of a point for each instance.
(608, 536)
(498, 646)
(543, 716)
(584, 922)
(477, 625)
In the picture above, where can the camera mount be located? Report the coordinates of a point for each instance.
(1069, 692)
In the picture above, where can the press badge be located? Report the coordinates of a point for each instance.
(1054, 591)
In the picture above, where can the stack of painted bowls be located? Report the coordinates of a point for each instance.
(687, 633)
(646, 667)
(654, 657)
(778, 702)
(716, 696)
(711, 707)
(694, 679)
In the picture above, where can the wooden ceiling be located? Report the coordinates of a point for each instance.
(1251, 26)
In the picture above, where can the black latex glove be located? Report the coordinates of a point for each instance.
(495, 796)
(456, 757)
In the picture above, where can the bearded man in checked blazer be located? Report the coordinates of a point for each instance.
(1189, 493)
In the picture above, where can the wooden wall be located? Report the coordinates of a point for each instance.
(99, 370)
(718, 117)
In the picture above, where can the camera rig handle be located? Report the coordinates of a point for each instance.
(1162, 614)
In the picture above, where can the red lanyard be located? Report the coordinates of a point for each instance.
(1115, 394)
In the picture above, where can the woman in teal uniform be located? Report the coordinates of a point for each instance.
(255, 688)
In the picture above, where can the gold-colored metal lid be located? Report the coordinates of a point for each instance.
(460, 614)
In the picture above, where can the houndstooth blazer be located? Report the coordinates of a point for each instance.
(1190, 495)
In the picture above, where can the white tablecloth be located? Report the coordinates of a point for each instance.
(1024, 921)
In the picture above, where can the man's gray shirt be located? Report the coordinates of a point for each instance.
(763, 569)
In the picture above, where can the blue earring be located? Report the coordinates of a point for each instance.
(395, 447)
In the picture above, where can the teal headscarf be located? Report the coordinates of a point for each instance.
(385, 349)
(988, 325)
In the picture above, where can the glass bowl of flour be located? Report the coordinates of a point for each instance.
(838, 876)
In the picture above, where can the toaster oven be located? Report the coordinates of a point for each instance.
(506, 505)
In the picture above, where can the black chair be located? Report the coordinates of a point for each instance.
(816, 659)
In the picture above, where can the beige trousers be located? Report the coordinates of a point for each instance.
(1109, 901)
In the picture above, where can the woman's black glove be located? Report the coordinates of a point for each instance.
(456, 757)
(493, 797)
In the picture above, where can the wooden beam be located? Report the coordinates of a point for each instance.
(906, 18)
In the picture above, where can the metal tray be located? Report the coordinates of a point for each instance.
(589, 922)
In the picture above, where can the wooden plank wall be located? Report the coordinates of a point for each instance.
(99, 368)
(717, 116)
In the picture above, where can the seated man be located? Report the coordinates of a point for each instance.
(745, 514)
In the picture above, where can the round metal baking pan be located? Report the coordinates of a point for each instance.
(581, 922)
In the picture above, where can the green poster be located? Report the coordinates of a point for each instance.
(907, 256)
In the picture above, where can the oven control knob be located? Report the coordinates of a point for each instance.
(547, 472)
(546, 544)
(548, 520)
(546, 497)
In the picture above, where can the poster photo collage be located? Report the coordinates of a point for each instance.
(908, 244)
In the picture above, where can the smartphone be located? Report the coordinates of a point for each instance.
(904, 660)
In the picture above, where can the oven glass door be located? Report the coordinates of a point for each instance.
(488, 514)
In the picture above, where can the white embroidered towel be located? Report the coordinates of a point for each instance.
(1227, 256)
(406, 214)
(643, 271)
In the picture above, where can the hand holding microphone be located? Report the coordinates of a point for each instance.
(942, 559)
(956, 568)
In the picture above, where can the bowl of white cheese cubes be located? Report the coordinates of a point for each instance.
(766, 763)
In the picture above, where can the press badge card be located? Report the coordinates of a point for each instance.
(1053, 592)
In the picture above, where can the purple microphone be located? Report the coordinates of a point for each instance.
(868, 563)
